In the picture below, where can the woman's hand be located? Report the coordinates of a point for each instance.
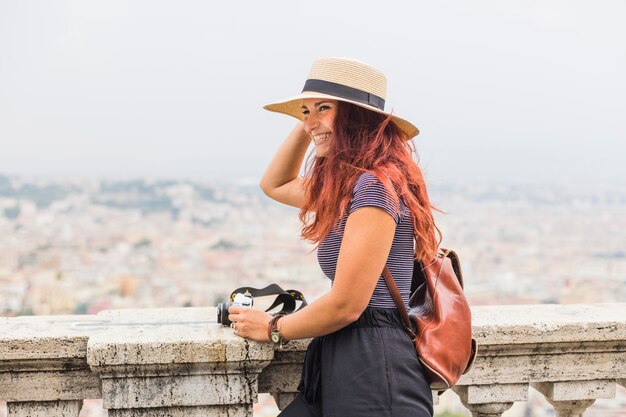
(250, 323)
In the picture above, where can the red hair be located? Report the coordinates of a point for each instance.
(364, 140)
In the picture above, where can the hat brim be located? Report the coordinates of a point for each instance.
(293, 107)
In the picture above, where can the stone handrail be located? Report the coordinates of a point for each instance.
(175, 362)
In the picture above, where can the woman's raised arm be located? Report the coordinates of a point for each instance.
(281, 181)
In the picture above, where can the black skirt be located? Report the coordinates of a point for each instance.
(368, 368)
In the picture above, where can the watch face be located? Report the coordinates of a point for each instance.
(275, 337)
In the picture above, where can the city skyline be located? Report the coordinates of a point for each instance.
(131, 243)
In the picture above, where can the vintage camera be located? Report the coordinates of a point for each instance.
(238, 299)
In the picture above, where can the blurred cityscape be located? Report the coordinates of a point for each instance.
(78, 247)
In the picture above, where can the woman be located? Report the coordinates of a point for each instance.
(364, 202)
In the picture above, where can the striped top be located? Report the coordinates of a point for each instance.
(369, 191)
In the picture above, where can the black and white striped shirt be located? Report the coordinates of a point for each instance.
(369, 191)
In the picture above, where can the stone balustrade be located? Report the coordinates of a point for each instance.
(175, 362)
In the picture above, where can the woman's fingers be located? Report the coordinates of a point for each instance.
(249, 323)
(234, 313)
(237, 315)
(236, 309)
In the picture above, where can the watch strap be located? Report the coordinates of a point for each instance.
(272, 328)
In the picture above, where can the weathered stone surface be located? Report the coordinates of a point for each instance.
(571, 408)
(576, 390)
(176, 390)
(547, 367)
(171, 362)
(160, 315)
(283, 374)
(43, 337)
(488, 410)
(163, 336)
(167, 360)
(207, 411)
(280, 378)
(43, 358)
(49, 385)
(549, 323)
(44, 409)
(496, 393)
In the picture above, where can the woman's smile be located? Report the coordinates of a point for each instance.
(321, 138)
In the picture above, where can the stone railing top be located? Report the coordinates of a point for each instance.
(128, 336)
(183, 335)
(43, 337)
(179, 361)
(549, 323)
(169, 336)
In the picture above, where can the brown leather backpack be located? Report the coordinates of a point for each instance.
(439, 319)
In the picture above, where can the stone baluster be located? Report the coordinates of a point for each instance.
(491, 400)
(43, 366)
(572, 398)
(175, 362)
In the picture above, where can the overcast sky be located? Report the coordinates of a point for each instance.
(501, 90)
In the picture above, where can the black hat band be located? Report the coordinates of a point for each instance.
(343, 91)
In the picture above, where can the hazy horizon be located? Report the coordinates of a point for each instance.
(502, 91)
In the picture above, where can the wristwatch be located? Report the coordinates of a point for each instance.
(274, 333)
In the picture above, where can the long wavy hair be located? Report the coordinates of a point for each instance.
(366, 141)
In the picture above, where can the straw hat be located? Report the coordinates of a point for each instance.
(346, 80)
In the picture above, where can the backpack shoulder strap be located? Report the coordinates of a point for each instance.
(395, 293)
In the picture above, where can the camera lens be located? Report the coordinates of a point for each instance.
(222, 314)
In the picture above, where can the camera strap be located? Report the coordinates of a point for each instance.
(287, 298)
